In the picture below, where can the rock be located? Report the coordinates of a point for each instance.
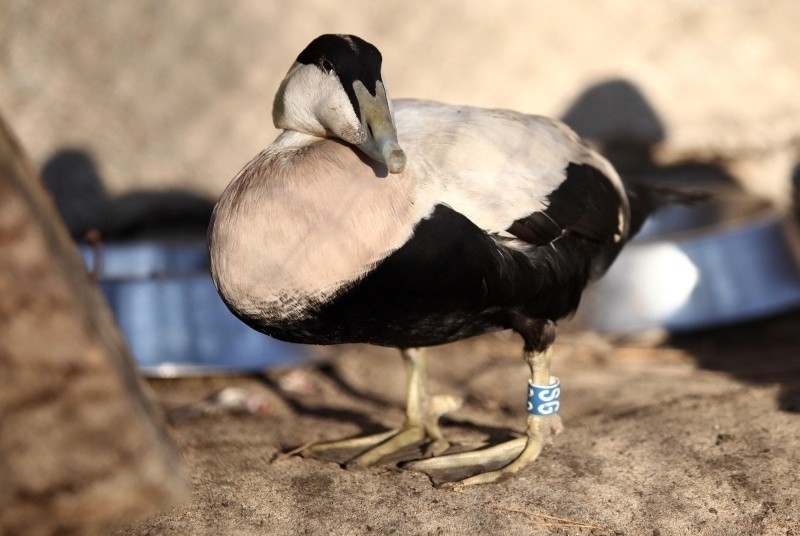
(81, 447)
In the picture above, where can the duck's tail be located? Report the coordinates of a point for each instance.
(646, 198)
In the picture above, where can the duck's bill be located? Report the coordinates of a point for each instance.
(380, 142)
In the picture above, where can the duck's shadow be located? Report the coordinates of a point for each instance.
(72, 177)
(363, 419)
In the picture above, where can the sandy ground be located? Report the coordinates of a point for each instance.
(698, 436)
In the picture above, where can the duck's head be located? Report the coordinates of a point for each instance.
(335, 89)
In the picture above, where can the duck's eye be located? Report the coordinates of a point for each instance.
(326, 66)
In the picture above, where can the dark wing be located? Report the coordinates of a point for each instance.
(586, 203)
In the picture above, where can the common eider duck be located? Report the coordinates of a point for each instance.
(411, 223)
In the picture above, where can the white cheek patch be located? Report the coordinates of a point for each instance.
(314, 102)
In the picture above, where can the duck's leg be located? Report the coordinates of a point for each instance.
(542, 422)
(421, 424)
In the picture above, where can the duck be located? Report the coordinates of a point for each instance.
(412, 223)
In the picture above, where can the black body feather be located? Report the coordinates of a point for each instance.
(451, 280)
(586, 203)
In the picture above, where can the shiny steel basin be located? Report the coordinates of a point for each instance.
(175, 323)
(728, 261)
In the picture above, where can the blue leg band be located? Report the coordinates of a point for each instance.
(544, 400)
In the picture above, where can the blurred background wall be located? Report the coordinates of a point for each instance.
(163, 101)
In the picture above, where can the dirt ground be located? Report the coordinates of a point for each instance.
(700, 435)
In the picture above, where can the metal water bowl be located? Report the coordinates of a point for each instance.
(175, 323)
(731, 260)
(690, 268)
